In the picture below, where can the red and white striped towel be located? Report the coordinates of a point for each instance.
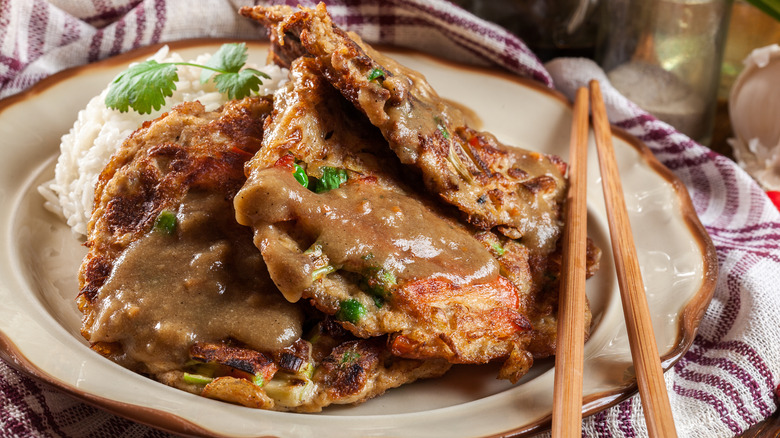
(724, 384)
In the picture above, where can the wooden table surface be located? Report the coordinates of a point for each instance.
(770, 428)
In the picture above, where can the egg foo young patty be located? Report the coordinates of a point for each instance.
(173, 287)
(346, 235)
(166, 260)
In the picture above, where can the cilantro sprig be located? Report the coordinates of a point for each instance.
(332, 178)
(144, 86)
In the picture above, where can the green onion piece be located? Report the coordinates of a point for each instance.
(323, 271)
(498, 248)
(349, 356)
(440, 126)
(165, 222)
(387, 277)
(351, 311)
(300, 175)
(444, 132)
(196, 379)
(376, 74)
(289, 390)
(307, 371)
(379, 283)
(315, 337)
(258, 380)
(332, 178)
(314, 250)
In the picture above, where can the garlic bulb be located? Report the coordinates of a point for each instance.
(754, 109)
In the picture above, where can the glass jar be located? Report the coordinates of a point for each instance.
(551, 28)
(665, 55)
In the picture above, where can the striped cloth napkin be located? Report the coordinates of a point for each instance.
(728, 380)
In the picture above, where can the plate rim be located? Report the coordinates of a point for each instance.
(690, 317)
(694, 309)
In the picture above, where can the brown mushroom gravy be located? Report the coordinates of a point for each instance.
(417, 122)
(357, 226)
(205, 282)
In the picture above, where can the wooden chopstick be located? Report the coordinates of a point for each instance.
(570, 348)
(644, 351)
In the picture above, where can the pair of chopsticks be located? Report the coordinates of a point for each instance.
(567, 406)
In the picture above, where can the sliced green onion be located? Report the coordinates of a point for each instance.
(300, 175)
(315, 337)
(379, 283)
(440, 126)
(498, 248)
(196, 379)
(323, 271)
(165, 222)
(314, 250)
(289, 389)
(258, 380)
(351, 311)
(307, 370)
(387, 277)
(349, 356)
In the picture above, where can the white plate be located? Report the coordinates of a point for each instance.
(39, 322)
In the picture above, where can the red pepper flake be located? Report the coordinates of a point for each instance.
(286, 161)
(240, 151)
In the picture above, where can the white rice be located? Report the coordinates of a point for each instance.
(99, 132)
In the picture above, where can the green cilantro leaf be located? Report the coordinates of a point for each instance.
(332, 178)
(142, 87)
(257, 73)
(237, 85)
(226, 63)
(375, 74)
(228, 59)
